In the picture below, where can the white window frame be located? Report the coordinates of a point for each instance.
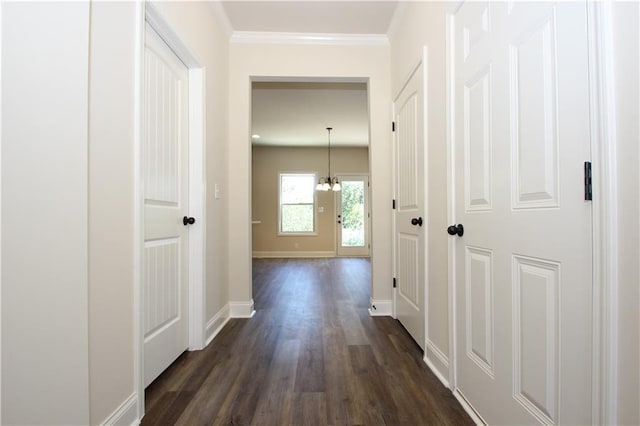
(315, 216)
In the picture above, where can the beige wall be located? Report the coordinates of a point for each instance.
(316, 62)
(423, 24)
(267, 164)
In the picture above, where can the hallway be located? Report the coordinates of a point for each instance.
(311, 355)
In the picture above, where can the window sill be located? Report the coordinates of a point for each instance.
(297, 234)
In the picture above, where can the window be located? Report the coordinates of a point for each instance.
(297, 203)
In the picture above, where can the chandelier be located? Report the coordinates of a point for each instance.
(328, 183)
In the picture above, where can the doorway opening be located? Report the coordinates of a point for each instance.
(352, 207)
(290, 155)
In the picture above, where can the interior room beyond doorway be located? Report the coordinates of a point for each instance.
(292, 152)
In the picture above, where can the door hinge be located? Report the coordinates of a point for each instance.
(393, 126)
(588, 192)
(393, 204)
(394, 282)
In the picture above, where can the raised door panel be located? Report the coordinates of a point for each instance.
(536, 344)
(479, 307)
(477, 141)
(407, 151)
(408, 246)
(161, 284)
(163, 135)
(534, 120)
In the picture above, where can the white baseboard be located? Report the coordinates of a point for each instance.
(439, 355)
(435, 371)
(126, 414)
(292, 254)
(380, 308)
(215, 324)
(241, 309)
(477, 419)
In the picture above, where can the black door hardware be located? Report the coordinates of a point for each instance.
(188, 220)
(416, 221)
(456, 229)
(588, 185)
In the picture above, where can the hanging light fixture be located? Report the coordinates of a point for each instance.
(328, 183)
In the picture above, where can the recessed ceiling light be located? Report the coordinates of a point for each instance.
(255, 136)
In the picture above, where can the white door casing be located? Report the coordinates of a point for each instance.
(345, 248)
(165, 174)
(409, 230)
(523, 266)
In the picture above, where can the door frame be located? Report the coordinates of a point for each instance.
(367, 229)
(147, 12)
(604, 211)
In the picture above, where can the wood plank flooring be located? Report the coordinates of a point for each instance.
(311, 355)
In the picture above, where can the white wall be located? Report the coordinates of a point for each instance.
(315, 61)
(626, 21)
(416, 25)
(111, 206)
(68, 198)
(45, 55)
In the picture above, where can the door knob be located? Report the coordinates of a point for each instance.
(416, 221)
(188, 220)
(456, 229)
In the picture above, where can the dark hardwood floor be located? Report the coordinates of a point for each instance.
(311, 355)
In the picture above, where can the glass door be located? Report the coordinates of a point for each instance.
(353, 216)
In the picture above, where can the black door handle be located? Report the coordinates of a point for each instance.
(456, 229)
(416, 221)
(188, 220)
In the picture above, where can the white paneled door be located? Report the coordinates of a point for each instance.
(409, 207)
(165, 174)
(524, 262)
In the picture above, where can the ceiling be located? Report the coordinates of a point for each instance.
(309, 16)
(297, 114)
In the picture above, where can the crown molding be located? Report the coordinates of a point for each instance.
(398, 15)
(310, 38)
(222, 18)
